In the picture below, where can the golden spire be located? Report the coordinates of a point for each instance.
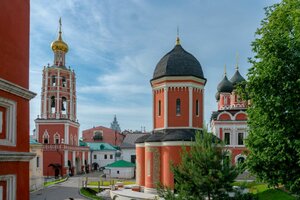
(59, 33)
(237, 61)
(177, 38)
(225, 74)
(59, 44)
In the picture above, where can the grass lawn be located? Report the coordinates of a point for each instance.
(265, 193)
(90, 192)
(107, 183)
(54, 182)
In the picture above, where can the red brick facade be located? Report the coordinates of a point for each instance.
(14, 99)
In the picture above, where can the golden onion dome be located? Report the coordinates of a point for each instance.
(59, 44)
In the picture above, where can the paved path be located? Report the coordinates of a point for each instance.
(61, 191)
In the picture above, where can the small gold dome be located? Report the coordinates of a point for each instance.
(59, 44)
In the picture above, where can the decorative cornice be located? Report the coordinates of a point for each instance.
(16, 89)
(16, 156)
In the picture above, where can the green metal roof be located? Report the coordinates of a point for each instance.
(82, 143)
(121, 163)
(100, 146)
(33, 141)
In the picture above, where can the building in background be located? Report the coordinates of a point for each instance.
(115, 125)
(14, 100)
(120, 169)
(229, 122)
(36, 166)
(178, 88)
(103, 134)
(57, 127)
(102, 154)
(128, 151)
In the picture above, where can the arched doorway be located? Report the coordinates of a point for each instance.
(95, 166)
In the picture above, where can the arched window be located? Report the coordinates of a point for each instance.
(46, 137)
(159, 108)
(56, 138)
(197, 107)
(240, 138)
(53, 80)
(64, 105)
(241, 160)
(53, 104)
(225, 100)
(178, 107)
(64, 82)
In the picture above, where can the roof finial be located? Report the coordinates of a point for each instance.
(225, 74)
(237, 61)
(59, 36)
(177, 38)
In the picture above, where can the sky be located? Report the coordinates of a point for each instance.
(114, 47)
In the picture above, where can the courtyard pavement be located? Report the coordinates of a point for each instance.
(61, 191)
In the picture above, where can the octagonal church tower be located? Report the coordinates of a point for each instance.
(178, 88)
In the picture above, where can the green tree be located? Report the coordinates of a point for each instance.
(205, 171)
(273, 88)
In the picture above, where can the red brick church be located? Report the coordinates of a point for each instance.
(57, 128)
(178, 88)
(229, 122)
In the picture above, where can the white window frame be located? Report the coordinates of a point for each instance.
(11, 121)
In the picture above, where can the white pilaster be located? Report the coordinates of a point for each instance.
(190, 106)
(45, 110)
(165, 107)
(71, 97)
(57, 94)
(66, 158)
(83, 157)
(66, 133)
(74, 157)
(89, 158)
(153, 108)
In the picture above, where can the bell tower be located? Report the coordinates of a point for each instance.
(57, 127)
(58, 88)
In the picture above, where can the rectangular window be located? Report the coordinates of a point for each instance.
(197, 107)
(178, 107)
(240, 138)
(132, 158)
(118, 172)
(227, 138)
(105, 156)
(37, 162)
(95, 156)
(111, 156)
(159, 108)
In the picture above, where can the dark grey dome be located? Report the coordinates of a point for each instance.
(178, 62)
(237, 78)
(225, 85)
(217, 96)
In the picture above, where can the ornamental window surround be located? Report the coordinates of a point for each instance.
(46, 138)
(56, 138)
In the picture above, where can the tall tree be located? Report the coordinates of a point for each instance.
(205, 171)
(273, 88)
